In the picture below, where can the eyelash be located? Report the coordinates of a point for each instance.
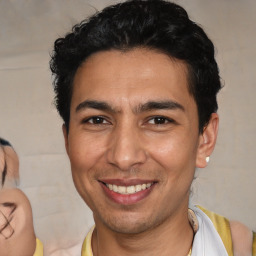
(101, 120)
(161, 118)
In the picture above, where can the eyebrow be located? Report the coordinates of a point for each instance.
(148, 106)
(99, 105)
(154, 105)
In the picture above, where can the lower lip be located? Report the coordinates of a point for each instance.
(126, 199)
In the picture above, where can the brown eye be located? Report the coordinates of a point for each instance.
(159, 120)
(96, 120)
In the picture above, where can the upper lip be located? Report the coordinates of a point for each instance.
(126, 182)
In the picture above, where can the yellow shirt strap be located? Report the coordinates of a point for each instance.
(254, 244)
(87, 244)
(39, 248)
(223, 228)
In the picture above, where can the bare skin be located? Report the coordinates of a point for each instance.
(242, 239)
(133, 121)
(17, 235)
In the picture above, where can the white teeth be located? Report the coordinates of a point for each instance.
(129, 189)
(138, 188)
(115, 188)
(121, 189)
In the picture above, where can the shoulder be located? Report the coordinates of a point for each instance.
(238, 239)
(242, 238)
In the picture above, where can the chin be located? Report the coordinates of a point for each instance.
(129, 228)
(130, 224)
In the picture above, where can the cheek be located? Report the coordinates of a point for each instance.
(85, 152)
(173, 150)
(85, 155)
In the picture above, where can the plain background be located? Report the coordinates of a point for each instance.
(29, 120)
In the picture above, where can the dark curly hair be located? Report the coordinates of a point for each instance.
(151, 24)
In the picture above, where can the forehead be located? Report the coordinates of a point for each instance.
(136, 76)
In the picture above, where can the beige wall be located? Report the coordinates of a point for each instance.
(28, 118)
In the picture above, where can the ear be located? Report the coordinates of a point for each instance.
(207, 141)
(65, 134)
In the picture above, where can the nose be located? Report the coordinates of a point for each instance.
(126, 149)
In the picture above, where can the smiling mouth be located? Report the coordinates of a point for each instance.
(128, 190)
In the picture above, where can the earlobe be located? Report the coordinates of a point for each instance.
(207, 141)
(65, 134)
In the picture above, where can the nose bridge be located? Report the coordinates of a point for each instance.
(126, 149)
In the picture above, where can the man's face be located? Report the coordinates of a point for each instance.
(133, 138)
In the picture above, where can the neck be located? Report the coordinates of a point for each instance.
(172, 237)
